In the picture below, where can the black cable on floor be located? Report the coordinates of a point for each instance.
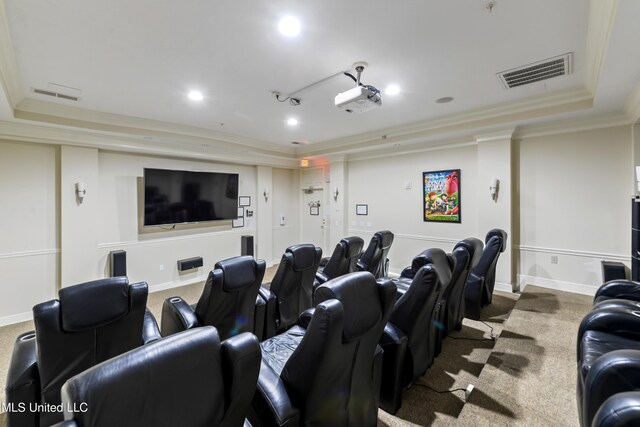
(440, 391)
(491, 336)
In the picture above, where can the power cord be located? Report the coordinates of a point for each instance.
(440, 391)
(492, 337)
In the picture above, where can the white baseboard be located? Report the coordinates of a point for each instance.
(503, 287)
(16, 318)
(577, 288)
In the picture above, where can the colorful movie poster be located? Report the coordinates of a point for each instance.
(442, 195)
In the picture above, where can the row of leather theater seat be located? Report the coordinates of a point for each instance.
(608, 353)
(305, 363)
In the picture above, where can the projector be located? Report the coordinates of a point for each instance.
(358, 99)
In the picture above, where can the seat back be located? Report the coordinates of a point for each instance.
(293, 282)
(185, 379)
(495, 244)
(344, 257)
(329, 376)
(465, 254)
(229, 295)
(374, 258)
(87, 324)
(413, 315)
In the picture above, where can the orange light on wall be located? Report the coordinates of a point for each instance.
(304, 163)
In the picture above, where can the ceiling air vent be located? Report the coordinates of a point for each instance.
(55, 94)
(538, 71)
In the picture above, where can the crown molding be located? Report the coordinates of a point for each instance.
(498, 115)
(47, 112)
(9, 79)
(497, 135)
(187, 149)
(632, 107)
(601, 18)
(567, 126)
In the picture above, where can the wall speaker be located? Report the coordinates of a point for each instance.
(189, 263)
(246, 245)
(613, 271)
(117, 263)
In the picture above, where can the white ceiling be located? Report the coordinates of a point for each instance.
(139, 59)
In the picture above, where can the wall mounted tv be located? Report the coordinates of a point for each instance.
(178, 197)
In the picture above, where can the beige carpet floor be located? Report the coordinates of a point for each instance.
(526, 377)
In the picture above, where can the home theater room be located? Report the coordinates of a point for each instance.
(321, 213)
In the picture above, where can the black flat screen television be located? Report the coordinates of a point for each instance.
(178, 197)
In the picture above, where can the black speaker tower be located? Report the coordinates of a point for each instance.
(117, 263)
(246, 243)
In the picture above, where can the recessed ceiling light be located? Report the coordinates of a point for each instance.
(194, 95)
(392, 90)
(289, 26)
(444, 100)
(292, 122)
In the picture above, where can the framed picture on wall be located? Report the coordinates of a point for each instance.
(441, 199)
(244, 201)
(237, 223)
(240, 213)
(362, 209)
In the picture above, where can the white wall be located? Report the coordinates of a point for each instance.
(29, 246)
(380, 183)
(573, 199)
(286, 201)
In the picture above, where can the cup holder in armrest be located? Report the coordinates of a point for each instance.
(175, 300)
(28, 336)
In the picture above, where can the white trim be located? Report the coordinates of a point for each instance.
(570, 252)
(16, 318)
(567, 126)
(9, 76)
(177, 238)
(494, 136)
(408, 236)
(29, 253)
(397, 151)
(632, 107)
(601, 18)
(576, 288)
(503, 287)
(285, 227)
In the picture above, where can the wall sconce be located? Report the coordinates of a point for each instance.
(81, 191)
(266, 195)
(494, 188)
(335, 194)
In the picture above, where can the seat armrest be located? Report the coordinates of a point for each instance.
(321, 277)
(150, 330)
(394, 343)
(323, 262)
(270, 313)
(241, 357)
(271, 405)
(614, 372)
(23, 381)
(177, 316)
(473, 296)
(360, 266)
(621, 321)
(624, 289)
(305, 317)
(259, 317)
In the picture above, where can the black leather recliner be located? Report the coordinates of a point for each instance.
(407, 341)
(88, 324)
(620, 410)
(466, 254)
(618, 289)
(291, 290)
(187, 379)
(229, 301)
(325, 371)
(374, 259)
(483, 276)
(342, 261)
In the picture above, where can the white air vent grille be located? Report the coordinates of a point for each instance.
(55, 94)
(538, 71)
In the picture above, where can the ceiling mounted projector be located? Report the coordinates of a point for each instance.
(360, 98)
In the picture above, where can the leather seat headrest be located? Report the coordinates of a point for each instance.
(93, 304)
(353, 246)
(385, 238)
(303, 256)
(360, 298)
(471, 244)
(501, 234)
(437, 257)
(238, 272)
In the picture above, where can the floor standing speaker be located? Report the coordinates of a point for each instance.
(246, 245)
(635, 239)
(117, 263)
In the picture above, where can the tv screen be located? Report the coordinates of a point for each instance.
(177, 197)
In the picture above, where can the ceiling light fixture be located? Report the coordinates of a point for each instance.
(292, 121)
(392, 90)
(194, 95)
(289, 26)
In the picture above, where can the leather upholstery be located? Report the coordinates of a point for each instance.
(466, 254)
(374, 258)
(162, 379)
(229, 301)
(343, 260)
(620, 410)
(481, 281)
(291, 290)
(66, 343)
(412, 317)
(620, 289)
(324, 375)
